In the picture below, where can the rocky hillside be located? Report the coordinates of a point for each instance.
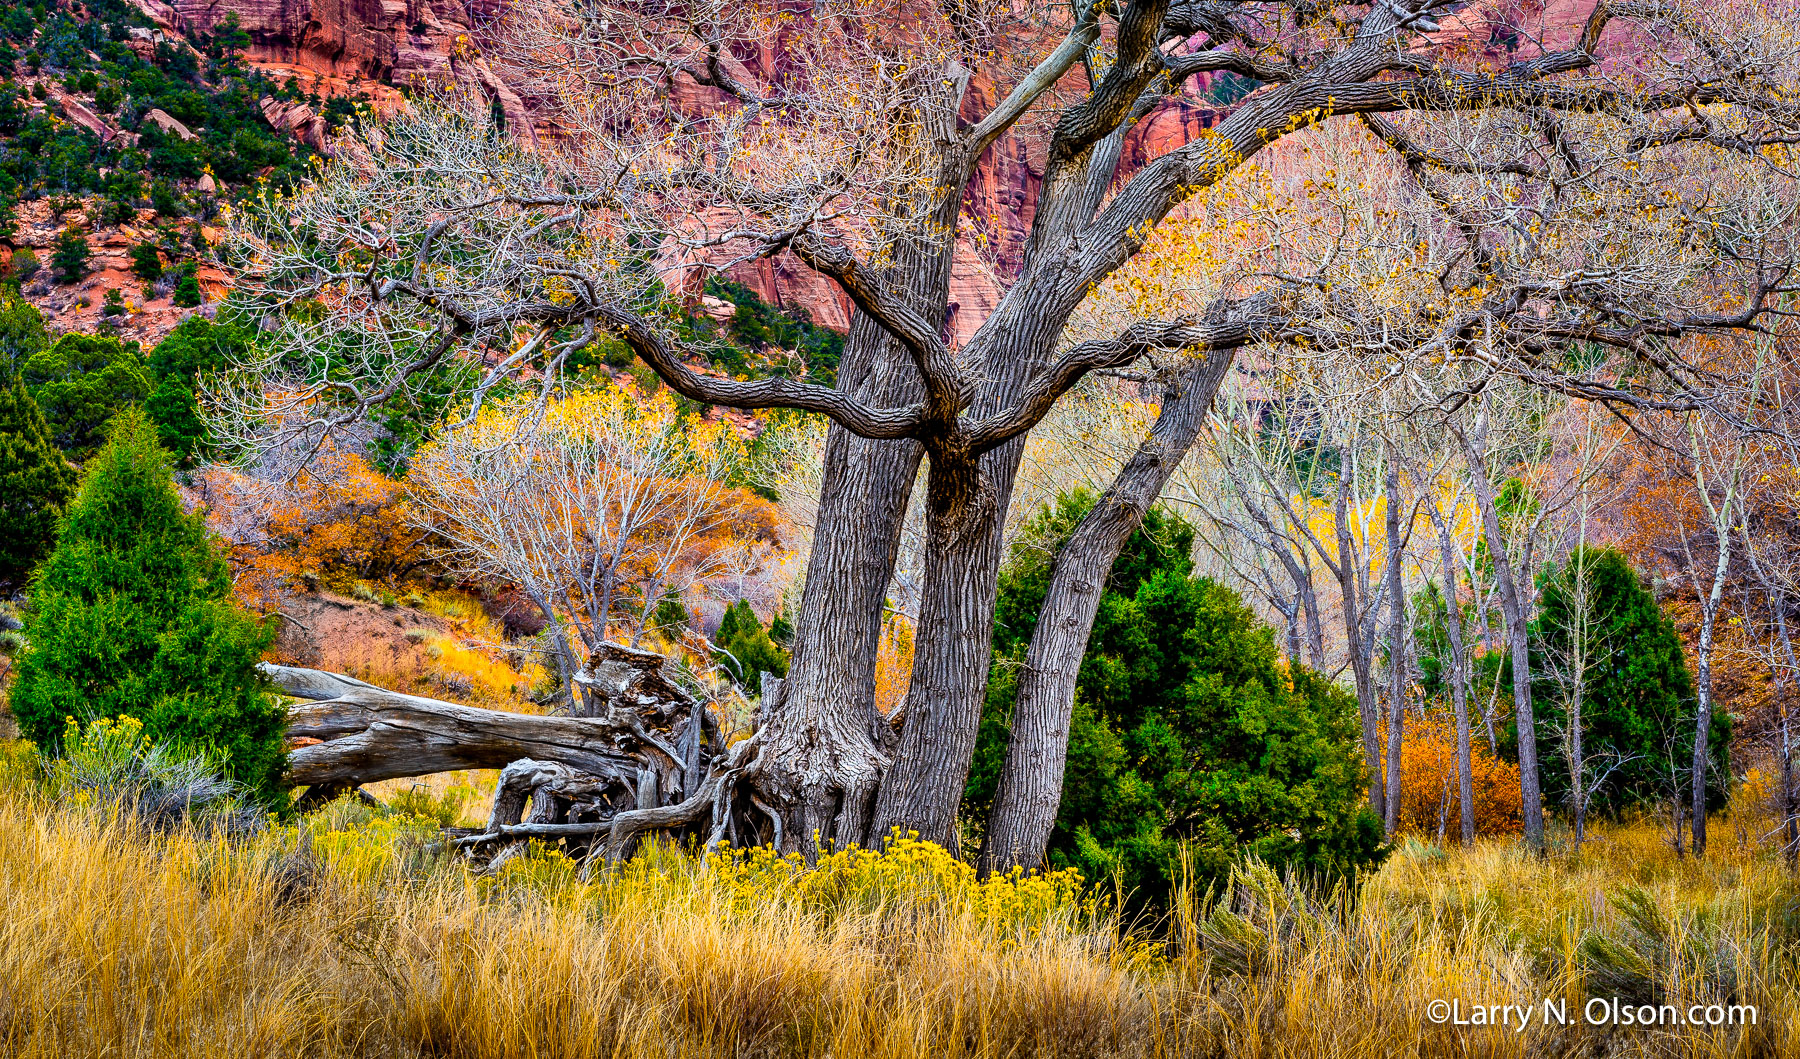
(120, 137)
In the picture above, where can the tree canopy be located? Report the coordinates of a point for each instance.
(82, 381)
(1637, 695)
(35, 485)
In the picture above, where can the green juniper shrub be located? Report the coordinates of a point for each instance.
(131, 615)
(35, 485)
(70, 259)
(22, 331)
(187, 291)
(743, 649)
(669, 616)
(82, 381)
(114, 304)
(165, 200)
(1637, 703)
(1192, 744)
(195, 348)
(146, 263)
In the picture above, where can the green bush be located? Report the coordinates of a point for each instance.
(132, 616)
(743, 649)
(195, 348)
(81, 382)
(1638, 707)
(22, 331)
(1192, 745)
(146, 263)
(35, 485)
(70, 260)
(187, 292)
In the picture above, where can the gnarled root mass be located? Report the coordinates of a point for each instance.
(649, 757)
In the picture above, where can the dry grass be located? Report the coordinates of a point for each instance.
(117, 942)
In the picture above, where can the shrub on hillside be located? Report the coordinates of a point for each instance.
(81, 382)
(35, 485)
(743, 648)
(132, 615)
(70, 259)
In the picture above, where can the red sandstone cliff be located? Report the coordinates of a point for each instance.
(343, 42)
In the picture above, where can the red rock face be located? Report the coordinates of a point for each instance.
(403, 41)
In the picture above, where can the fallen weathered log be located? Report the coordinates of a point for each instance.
(351, 732)
(648, 757)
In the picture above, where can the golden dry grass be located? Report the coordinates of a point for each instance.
(119, 942)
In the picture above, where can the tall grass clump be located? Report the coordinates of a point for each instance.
(356, 931)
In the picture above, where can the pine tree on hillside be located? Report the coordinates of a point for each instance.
(131, 615)
(82, 381)
(35, 485)
(22, 331)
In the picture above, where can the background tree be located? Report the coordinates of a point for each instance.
(132, 615)
(81, 382)
(70, 259)
(22, 331)
(598, 508)
(196, 347)
(35, 485)
(1636, 687)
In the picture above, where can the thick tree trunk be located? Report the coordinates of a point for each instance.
(1030, 785)
(822, 759)
(951, 651)
(1512, 610)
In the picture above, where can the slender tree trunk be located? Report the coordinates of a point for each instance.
(1512, 610)
(1353, 642)
(1459, 685)
(1703, 698)
(1030, 784)
(1396, 646)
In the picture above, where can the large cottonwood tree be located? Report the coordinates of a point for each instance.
(847, 135)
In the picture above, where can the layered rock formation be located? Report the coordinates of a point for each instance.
(402, 42)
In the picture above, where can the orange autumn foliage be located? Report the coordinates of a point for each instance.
(1428, 789)
(340, 521)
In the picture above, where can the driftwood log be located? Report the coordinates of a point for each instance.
(646, 755)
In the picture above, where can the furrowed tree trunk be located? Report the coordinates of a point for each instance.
(1512, 610)
(823, 759)
(1396, 646)
(1459, 686)
(1353, 642)
(1030, 785)
(966, 513)
(951, 650)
